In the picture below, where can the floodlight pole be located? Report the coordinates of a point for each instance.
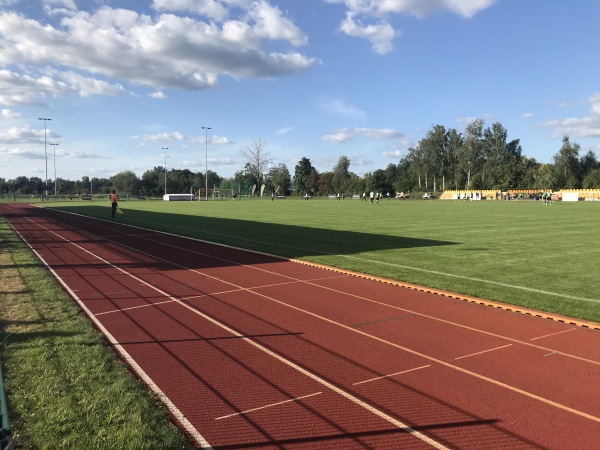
(165, 148)
(54, 145)
(45, 152)
(206, 162)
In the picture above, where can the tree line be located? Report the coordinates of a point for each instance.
(479, 158)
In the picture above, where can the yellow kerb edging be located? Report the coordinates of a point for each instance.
(494, 304)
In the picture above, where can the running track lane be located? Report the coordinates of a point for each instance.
(250, 351)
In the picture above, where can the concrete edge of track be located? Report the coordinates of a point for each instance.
(491, 303)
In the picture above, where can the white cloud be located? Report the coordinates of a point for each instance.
(87, 49)
(284, 130)
(159, 95)
(23, 153)
(393, 154)
(382, 33)
(417, 8)
(527, 116)
(30, 89)
(9, 114)
(26, 135)
(208, 8)
(346, 134)
(340, 136)
(582, 127)
(86, 155)
(164, 137)
(220, 140)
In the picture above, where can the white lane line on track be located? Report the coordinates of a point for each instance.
(484, 351)
(179, 416)
(553, 334)
(200, 439)
(392, 344)
(272, 405)
(370, 300)
(390, 375)
(194, 297)
(113, 311)
(401, 266)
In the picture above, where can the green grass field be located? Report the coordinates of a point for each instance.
(522, 253)
(66, 389)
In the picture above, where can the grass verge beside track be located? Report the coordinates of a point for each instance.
(65, 387)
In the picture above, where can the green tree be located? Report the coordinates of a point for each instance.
(500, 169)
(302, 173)
(126, 182)
(150, 182)
(326, 183)
(435, 147)
(566, 165)
(544, 177)
(588, 163)
(280, 179)
(592, 179)
(313, 182)
(341, 175)
(470, 154)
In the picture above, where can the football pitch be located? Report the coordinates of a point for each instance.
(526, 253)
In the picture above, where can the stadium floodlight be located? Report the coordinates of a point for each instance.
(54, 145)
(45, 152)
(165, 148)
(206, 162)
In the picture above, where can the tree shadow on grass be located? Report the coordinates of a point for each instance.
(292, 241)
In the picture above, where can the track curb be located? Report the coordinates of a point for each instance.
(494, 304)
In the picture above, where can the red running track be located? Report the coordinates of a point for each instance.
(251, 351)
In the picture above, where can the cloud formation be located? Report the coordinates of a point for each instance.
(83, 52)
(342, 135)
(380, 32)
(581, 127)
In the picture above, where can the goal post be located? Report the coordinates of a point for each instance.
(215, 194)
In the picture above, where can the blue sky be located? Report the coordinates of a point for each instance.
(121, 80)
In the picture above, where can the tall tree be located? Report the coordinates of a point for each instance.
(544, 177)
(341, 174)
(326, 183)
(280, 179)
(566, 165)
(501, 159)
(435, 147)
(257, 159)
(588, 163)
(302, 173)
(313, 182)
(126, 182)
(470, 154)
